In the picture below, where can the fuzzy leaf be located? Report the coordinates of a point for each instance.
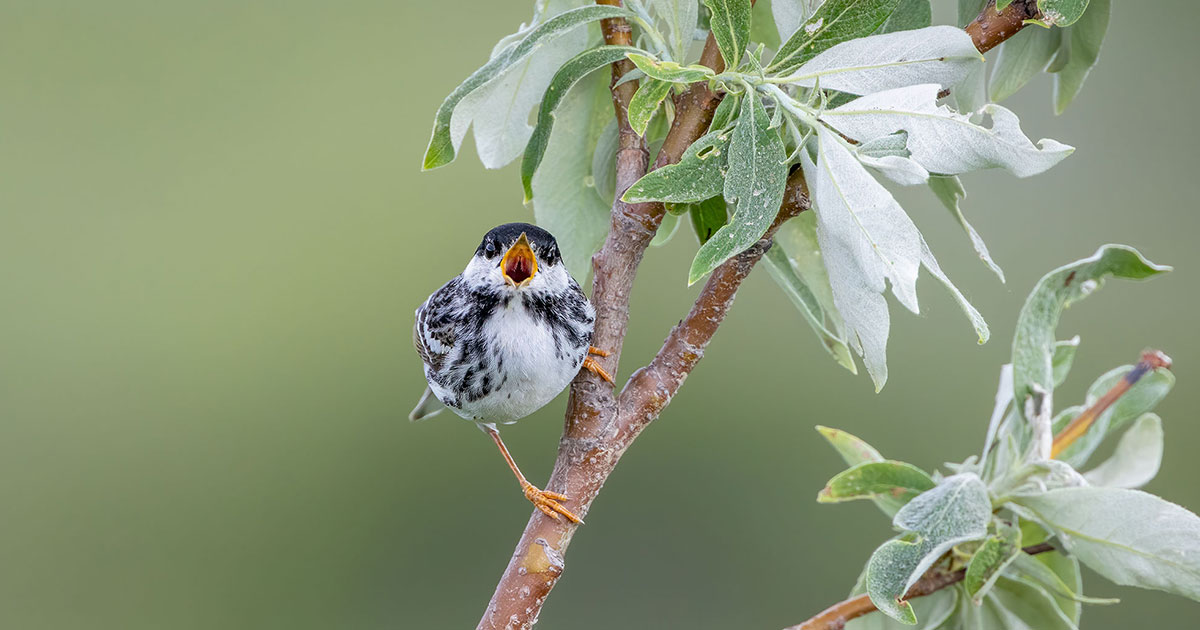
(754, 183)
(645, 102)
(578, 67)
(508, 72)
(853, 450)
(938, 54)
(1128, 536)
(1033, 339)
(669, 70)
(1062, 358)
(944, 141)
(679, 19)
(909, 15)
(1078, 53)
(565, 200)
(835, 22)
(996, 553)
(1061, 12)
(726, 113)
(699, 174)
(1137, 458)
(1025, 606)
(1022, 57)
(949, 189)
(730, 24)
(868, 479)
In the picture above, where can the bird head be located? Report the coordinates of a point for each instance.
(518, 257)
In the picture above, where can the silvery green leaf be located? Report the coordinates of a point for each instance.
(899, 169)
(866, 240)
(565, 201)
(666, 231)
(1027, 606)
(604, 163)
(571, 72)
(1062, 358)
(708, 216)
(968, 10)
(836, 21)
(1141, 398)
(909, 15)
(1128, 536)
(790, 14)
(853, 450)
(645, 102)
(1061, 12)
(944, 141)
(699, 174)
(1079, 51)
(754, 183)
(1137, 458)
(498, 97)
(972, 93)
(727, 111)
(958, 510)
(949, 189)
(1020, 58)
(762, 25)
(678, 22)
(870, 479)
(883, 146)
(938, 54)
(1032, 569)
(670, 70)
(931, 265)
(1033, 339)
(784, 273)
(730, 25)
(996, 553)
(1000, 408)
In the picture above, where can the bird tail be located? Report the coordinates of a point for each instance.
(428, 407)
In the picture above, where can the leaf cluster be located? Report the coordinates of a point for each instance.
(979, 516)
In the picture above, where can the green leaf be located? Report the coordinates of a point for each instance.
(1128, 536)
(1141, 398)
(1026, 606)
(944, 141)
(1062, 358)
(708, 216)
(949, 189)
(941, 55)
(669, 70)
(1002, 5)
(645, 102)
(679, 19)
(754, 183)
(968, 10)
(666, 231)
(1033, 340)
(604, 162)
(699, 174)
(1137, 458)
(835, 22)
(854, 451)
(868, 479)
(726, 113)
(996, 553)
(909, 15)
(795, 263)
(580, 66)
(1060, 12)
(762, 24)
(1032, 569)
(936, 611)
(565, 200)
(1078, 53)
(958, 510)
(445, 142)
(730, 24)
(1022, 57)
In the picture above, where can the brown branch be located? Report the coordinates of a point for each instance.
(1151, 360)
(993, 27)
(935, 579)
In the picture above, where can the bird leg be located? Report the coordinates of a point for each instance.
(547, 502)
(594, 366)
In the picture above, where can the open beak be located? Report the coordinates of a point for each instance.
(519, 264)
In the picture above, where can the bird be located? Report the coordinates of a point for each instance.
(501, 339)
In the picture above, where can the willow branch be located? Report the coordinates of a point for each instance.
(934, 580)
(992, 27)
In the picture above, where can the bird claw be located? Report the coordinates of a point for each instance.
(548, 503)
(597, 351)
(594, 367)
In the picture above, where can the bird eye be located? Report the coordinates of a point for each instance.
(490, 250)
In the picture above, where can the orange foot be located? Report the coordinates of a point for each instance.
(548, 503)
(594, 366)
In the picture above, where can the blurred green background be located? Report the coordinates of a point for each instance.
(213, 234)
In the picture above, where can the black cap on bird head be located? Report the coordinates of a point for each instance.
(521, 247)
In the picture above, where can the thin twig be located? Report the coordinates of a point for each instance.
(935, 579)
(1151, 360)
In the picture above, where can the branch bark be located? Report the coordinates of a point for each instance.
(992, 27)
(935, 579)
(600, 425)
